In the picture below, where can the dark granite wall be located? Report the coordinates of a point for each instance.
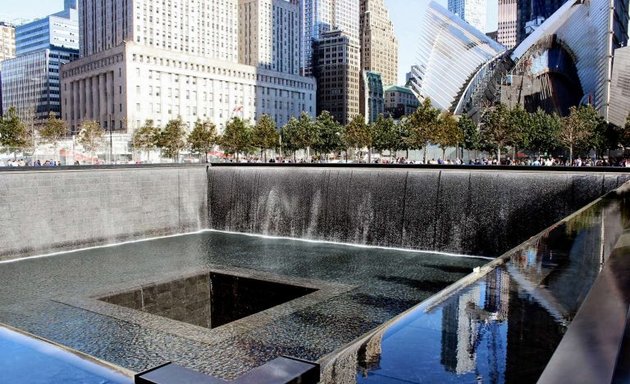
(52, 210)
(472, 211)
(185, 299)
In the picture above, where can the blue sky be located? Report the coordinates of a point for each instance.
(405, 14)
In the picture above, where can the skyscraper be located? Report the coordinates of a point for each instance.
(143, 59)
(379, 46)
(517, 19)
(508, 23)
(7, 41)
(320, 16)
(336, 65)
(202, 28)
(30, 81)
(269, 34)
(59, 30)
(472, 11)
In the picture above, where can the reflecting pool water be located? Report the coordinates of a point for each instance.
(26, 360)
(355, 289)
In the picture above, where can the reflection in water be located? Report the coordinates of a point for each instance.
(504, 327)
(484, 334)
(469, 319)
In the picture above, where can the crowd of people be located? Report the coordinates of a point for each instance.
(28, 163)
(483, 161)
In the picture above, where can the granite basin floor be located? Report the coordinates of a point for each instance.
(380, 284)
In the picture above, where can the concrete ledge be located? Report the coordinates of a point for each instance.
(282, 370)
(590, 350)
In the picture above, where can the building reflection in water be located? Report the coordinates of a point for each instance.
(504, 327)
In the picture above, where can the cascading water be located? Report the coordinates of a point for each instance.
(461, 211)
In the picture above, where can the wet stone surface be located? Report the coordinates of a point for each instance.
(53, 297)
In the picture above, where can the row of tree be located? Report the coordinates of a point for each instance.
(581, 131)
(17, 136)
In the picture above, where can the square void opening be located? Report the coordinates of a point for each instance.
(208, 300)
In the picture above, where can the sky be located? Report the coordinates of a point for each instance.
(405, 14)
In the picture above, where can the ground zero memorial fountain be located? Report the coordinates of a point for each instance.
(380, 274)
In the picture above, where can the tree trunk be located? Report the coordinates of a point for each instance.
(369, 156)
(499, 155)
(571, 154)
(443, 154)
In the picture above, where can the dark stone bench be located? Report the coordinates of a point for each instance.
(282, 370)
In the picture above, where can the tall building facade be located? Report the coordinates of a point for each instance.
(143, 59)
(620, 88)
(379, 46)
(372, 97)
(30, 81)
(7, 41)
(336, 64)
(472, 11)
(203, 28)
(59, 30)
(269, 34)
(507, 33)
(518, 19)
(7, 50)
(321, 16)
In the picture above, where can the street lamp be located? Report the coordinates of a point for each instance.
(110, 123)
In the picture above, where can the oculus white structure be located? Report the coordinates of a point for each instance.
(566, 61)
(450, 53)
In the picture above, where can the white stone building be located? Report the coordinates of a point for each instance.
(161, 60)
(7, 41)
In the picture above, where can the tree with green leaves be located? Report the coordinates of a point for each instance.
(172, 139)
(497, 129)
(543, 131)
(13, 132)
(146, 138)
(421, 126)
(264, 135)
(385, 135)
(447, 133)
(202, 138)
(308, 132)
(52, 131)
(519, 121)
(578, 128)
(329, 133)
(237, 137)
(290, 136)
(357, 135)
(471, 138)
(90, 136)
(300, 134)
